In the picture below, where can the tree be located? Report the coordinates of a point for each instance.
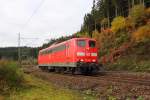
(115, 3)
(107, 5)
(89, 24)
(108, 9)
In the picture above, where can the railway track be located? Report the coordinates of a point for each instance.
(116, 77)
(120, 79)
(124, 80)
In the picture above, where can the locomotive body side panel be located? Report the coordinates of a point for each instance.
(59, 55)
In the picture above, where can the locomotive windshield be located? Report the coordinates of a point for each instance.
(91, 44)
(81, 43)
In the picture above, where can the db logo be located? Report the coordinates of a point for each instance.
(87, 54)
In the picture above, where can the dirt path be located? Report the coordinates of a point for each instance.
(104, 86)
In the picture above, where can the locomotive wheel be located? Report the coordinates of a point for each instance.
(84, 70)
(77, 71)
(95, 70)
(57, 70)
(72, 70)
(51, 69)
(62, 70)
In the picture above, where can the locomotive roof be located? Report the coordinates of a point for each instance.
(55, 45)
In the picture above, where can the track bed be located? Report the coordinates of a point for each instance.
(121, 85)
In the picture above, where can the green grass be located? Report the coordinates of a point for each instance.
(130, 64)
(37, 89)
(11, 76)
(15, 85)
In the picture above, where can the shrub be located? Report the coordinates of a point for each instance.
(96, 36)
(118, 24)
(121, 37)
(129, 24)
(107, 38)
(142, 34)
(119, 29)
(11, 73)
(137, 14)
(104, 23)
(107, 41)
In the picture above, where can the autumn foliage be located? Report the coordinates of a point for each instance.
(118, 24)
(137, 15)
(142, 34)
(124, 33)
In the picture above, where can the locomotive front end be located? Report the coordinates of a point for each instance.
(87, 56)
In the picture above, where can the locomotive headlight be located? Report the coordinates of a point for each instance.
(93, 60)
(81, 60)
(80, 54)
(94, 54)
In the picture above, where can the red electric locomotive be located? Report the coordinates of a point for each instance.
(78, 55)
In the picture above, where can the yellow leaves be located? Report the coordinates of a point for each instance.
(136, 12)
(142, 34)
(118, 23)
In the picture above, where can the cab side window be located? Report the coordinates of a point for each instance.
(92, 44)
(81, 43)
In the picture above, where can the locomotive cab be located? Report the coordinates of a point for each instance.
(87, 57)
(86, 50)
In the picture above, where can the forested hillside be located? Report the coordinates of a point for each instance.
(122, 31)
(104, 11)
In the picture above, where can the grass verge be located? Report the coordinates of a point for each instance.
(37, 89)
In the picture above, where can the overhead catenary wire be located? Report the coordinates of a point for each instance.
(30, 18)
(34, 12)
(24, 26)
